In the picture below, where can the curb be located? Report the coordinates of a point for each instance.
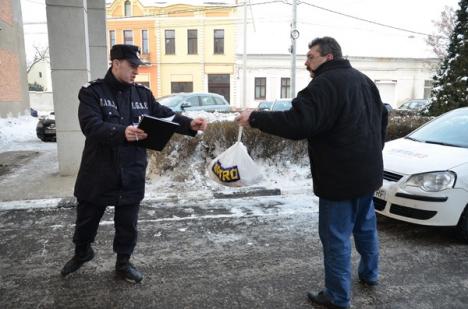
(71, 202)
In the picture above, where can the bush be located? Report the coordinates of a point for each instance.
(187, 155)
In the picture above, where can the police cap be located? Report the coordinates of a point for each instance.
(126, 51)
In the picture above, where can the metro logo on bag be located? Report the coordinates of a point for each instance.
(228, 174)
(234, 167)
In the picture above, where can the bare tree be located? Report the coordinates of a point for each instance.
(41, 53)
(440, 41)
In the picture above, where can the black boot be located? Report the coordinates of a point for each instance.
(82, 255)
(126, 270)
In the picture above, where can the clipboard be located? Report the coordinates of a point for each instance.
(159, 132)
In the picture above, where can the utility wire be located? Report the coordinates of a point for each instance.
(363, 19)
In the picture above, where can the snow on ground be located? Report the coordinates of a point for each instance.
(20, 134)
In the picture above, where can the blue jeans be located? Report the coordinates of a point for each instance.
(337, 221)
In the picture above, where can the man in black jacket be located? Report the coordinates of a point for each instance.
(341, 115)
(113, 167)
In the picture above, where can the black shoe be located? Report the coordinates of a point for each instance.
(77, 261)
(128, 272)
(322, 299)
(369, 283)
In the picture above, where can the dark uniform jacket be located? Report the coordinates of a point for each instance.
(341, 115)
(113, 170)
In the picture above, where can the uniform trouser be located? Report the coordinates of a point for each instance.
(338, 220)
(125, 223)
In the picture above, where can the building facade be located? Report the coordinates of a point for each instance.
(398, 79)
(40, 74)
(190, 47)
(14, 97)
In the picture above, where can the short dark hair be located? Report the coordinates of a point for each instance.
(327, 45)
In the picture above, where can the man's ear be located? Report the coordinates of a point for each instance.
(330, 57)
(115, 62)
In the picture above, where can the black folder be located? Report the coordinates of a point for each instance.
(159, 132)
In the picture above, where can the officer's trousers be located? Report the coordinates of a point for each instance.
(88, 216)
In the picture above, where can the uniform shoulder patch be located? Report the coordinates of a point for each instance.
(96, 81)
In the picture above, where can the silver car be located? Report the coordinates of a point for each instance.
(195, 101)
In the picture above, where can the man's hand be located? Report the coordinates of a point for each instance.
(198, 124)
(133, 134)
(243, 119)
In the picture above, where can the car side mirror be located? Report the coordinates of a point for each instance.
(185, 105)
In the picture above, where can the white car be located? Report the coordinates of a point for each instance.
(426, 174)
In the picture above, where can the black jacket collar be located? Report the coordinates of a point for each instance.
(114, 83)
(332, 65)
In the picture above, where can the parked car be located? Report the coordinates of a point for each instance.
(282, 105)
(388, 107)
(195, 101)
(415, 105)
(45, 129)
(265, 105)
(426, 174)
(276, 105)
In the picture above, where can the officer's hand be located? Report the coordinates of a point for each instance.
(198, 124)
(133, 134)
(243, 119)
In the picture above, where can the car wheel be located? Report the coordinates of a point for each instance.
(462, 227)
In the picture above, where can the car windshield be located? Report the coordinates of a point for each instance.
(282, 105)
(415, 105)
(265, 105)
(449, 129)
(171, 101)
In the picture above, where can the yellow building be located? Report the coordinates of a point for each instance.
(190, 47)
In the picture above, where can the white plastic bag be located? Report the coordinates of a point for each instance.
(234, 167)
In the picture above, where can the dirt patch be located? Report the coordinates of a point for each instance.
(11, 160)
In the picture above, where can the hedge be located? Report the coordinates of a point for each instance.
(186, 153)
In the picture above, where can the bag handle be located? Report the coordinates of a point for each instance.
(239, 136)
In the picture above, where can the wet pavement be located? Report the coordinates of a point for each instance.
(256, 252)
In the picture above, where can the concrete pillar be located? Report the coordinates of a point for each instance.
(97, 38)
(70, 65)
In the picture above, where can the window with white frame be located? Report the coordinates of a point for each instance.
(127, 9)
(128, 36)
(260, 88)
(144, 42)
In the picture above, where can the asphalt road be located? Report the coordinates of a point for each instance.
(232, 253)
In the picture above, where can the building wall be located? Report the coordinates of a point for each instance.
(184, 67)
(14, 97)
(398, 79)
(179, 67)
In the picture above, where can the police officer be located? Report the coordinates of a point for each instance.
(113, 167)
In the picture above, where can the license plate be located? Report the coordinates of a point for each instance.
(380, 194)
(48, 131)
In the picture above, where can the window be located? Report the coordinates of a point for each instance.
(170, 42)
(427, 88)
(181, 87)
(40, 74)
(285, 87)
(193, 101)
(207, 100)
(218, 41)
(144, 42)
(260, 88)
(220, 84)
(127, 8)
(111, 38)
(128, 36)
(192, 42)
